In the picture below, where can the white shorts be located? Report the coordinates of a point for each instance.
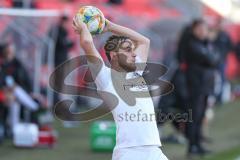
(139, 153)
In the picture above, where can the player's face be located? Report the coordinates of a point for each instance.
(126, 56)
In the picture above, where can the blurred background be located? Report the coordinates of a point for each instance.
(36, 36)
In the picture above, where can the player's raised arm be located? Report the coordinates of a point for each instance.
(142, 42)
(86, 40)
(95, 61)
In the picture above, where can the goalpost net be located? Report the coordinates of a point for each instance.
(28, 30)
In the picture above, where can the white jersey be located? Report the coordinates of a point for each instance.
(139, 153)
(136, 125)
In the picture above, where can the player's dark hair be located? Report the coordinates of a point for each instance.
(113, 43)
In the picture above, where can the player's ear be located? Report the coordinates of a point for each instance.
(113, 55)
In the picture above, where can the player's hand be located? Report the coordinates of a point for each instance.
(78, 25)
(107, 26)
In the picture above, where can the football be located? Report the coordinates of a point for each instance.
(93, 18)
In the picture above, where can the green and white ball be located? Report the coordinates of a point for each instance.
(93, 18)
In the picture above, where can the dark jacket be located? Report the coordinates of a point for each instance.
(1, 78)
(18, 72)
(201, 59)
(237, 50)
(223, 44)
(182, 44)
(63, 44)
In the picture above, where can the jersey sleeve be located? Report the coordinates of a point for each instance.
(103, 78)
(101, 74)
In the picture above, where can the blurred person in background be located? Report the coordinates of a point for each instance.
(15, 85)
(178, 99)
(201, 59)
(237, 51)
(116, 2)
(181, 47)
(23, 3)
(222, 42)
(13, 67)
(3, 108)
(63, 44)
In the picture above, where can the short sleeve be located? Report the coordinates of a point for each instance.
(103, 78)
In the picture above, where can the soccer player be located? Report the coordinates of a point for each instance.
(137, 132)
